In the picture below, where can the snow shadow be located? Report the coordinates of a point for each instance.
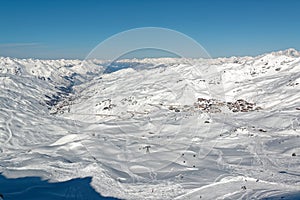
(287, 196)
(33, 188)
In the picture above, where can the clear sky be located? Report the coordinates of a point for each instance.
(71, 28)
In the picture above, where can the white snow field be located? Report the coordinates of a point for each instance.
(159, 128)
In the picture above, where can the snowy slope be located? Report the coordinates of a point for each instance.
(159, 128)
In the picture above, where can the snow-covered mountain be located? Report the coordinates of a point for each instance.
(156, 128)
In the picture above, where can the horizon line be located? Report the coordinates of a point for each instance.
(154, 57)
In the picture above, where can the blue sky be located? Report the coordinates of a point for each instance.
(71, 29)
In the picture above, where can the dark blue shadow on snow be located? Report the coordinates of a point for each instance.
(287, 196)
(33, 188)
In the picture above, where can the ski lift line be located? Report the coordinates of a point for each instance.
(95, 114)
(135, 112)
(105, 115)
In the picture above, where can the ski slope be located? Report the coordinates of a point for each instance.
(156, 128)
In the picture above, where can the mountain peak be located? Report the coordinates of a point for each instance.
(291, 52)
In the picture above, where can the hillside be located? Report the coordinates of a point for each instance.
(156, 128)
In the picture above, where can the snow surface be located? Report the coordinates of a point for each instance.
(137, 128)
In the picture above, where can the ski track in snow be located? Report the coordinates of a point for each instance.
(139, 132)
(8, 124)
